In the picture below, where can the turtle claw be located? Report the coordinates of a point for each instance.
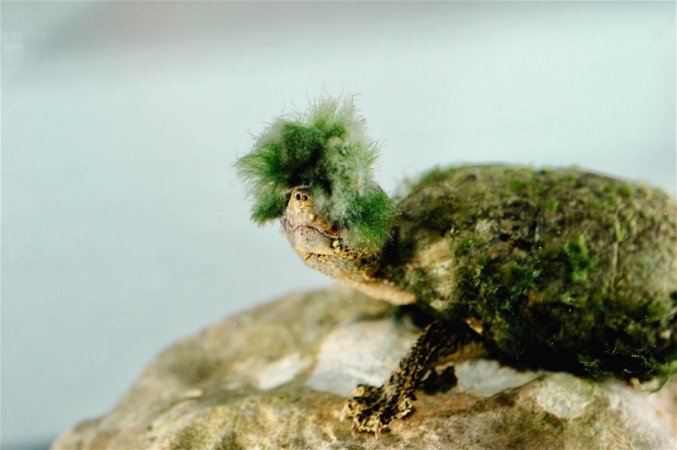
(373, 409)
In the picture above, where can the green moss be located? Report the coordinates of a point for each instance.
(268, 205)
(372, 220)
(466, 246)
(579, 259)
(325, 149)
(518, 185)
(550, 205)
(625, 190)
(567, 270)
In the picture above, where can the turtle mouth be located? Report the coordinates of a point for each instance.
(306, 230)
(308, 238)
(306, 226)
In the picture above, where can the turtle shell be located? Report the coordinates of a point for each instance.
(562, 269)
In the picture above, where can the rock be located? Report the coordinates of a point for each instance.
(276, 377)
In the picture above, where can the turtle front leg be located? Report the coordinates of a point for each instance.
(373, 409)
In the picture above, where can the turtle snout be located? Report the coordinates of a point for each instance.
(301, 197)
(301, 212)
(300, 200)
(300, 206)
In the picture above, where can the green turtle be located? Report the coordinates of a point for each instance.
(560, 269)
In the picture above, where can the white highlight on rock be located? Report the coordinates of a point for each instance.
(484, 378)
(281, 371)
(192, 393)
(360, 353)
(565, 395)
(640, 411)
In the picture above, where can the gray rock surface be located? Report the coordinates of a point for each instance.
(276, 377)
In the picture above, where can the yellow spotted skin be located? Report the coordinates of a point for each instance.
(359, 273)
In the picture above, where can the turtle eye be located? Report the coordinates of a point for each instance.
(304, 197)
(298, 196)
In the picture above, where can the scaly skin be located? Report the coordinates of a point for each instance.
(321, 247)
(564, 270)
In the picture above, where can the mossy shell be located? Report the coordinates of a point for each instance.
(563, 269)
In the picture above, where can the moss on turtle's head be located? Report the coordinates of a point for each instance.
(327, 150)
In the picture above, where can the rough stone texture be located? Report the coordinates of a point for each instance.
(276, 377)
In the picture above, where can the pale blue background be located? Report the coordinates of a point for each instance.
(123, 227)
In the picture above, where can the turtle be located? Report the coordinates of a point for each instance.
(550, 268)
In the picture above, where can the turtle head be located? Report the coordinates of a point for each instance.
(308, 232)
(320, 243)
(314, 171)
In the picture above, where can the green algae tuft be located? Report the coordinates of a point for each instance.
(327, 150)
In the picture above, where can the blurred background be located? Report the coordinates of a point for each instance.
(123, 226)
